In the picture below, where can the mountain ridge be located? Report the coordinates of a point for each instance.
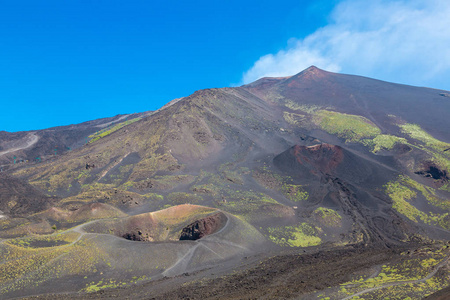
(314, 161)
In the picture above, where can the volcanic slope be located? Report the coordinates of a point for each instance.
(314, 161)
(27, 147)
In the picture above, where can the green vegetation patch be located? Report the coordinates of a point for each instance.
(87, 197)
(25, 266)
(245, 202)
(154, 197)
(294, 192)
(399, 195)
(407, 291)
(328, 217)
(107, 131)
(401, 280)
(269, 179)
(44, 241)
(11, 270)
(431, 145)
(442, 160)
(445, 187)
(310, 109)
(17, 227)
(428, 192)
(351, 127)
(384, 141)
(402, 190)
(110, 284)
(302, 235)
(416, 132)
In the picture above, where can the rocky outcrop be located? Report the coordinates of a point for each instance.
(318, 159)
(431, 170)
(203, 227)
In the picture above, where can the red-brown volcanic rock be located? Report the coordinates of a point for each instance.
(204, 227)
(322, 157)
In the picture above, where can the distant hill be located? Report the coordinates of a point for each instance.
(38, 145)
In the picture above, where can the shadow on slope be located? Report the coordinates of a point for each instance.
(18, 198)
(95, 254)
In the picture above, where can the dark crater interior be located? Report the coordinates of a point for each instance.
(203, 227)
(433, 172)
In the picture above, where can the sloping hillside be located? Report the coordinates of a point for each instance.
(310, 162)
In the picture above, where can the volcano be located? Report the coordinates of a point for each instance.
(310, 186)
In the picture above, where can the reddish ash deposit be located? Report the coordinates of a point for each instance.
(308, 75)
(322, 158)
(140, 228)
(182, 222)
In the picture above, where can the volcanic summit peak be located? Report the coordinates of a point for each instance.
(312, 68)
(311, 72)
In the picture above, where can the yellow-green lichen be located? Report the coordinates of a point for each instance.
(107, 131)
(353, 128)
(328, 217)
(384, 141)
(416, 132)
(401, 192)
(294, 192)
(434, 147)
(302, 235)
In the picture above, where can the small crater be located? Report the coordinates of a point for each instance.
(203, 227)
(434, 172)
(137, 237)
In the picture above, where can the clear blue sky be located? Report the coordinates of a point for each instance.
(65, 62)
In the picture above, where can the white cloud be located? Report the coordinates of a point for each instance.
(400, 41)
(288, 62)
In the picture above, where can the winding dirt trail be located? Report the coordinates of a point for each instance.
(181, 264)
(79, 229)
(25, 143)
(432, 273)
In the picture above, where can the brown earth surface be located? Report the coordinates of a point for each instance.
(18, 198)
(443, 294)
(287, 276)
